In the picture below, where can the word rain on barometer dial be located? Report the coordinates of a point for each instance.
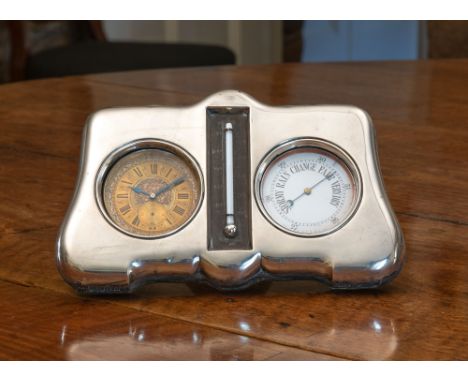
(229, 192)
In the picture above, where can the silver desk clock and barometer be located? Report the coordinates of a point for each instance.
(229, 192)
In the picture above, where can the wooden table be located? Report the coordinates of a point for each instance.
(420, 110)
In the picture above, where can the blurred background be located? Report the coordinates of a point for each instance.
(41, 49)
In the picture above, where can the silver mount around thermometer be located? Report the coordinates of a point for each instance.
(229, 192)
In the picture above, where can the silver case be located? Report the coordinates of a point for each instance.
(94, 257)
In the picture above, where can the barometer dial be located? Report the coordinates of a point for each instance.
(151, 193)
(308, 191)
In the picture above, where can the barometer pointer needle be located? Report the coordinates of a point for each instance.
(308, 190)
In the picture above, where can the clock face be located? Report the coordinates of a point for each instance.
(151, 193)
(308, 191)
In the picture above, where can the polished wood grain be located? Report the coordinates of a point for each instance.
(420, 113)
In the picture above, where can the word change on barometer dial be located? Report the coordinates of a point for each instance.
(308, 191)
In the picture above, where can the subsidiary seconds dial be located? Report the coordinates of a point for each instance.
(307, 190)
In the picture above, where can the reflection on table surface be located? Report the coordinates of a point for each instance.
(379, 342)
(363, 336)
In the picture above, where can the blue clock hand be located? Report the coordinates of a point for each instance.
(167, 187)
(138, 190)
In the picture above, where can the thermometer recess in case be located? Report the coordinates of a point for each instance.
(228, 178)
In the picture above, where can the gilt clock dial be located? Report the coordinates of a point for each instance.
(151, 193)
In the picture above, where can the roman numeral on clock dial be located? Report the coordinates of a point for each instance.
(138, 171)
(125, 209)
(136, 221)
(178, 210)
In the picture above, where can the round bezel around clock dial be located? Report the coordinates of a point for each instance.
(149, 189)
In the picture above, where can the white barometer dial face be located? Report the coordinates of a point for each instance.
(308, 191)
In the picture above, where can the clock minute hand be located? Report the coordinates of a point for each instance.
(167, 187)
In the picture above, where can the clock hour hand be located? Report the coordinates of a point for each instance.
(167, 187)
(138, 190)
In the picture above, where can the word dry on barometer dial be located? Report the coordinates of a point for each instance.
(151, 193)
(308, 191)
